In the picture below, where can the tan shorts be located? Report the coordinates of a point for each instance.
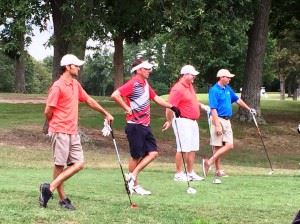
(66, 148)
(188, 130)
(227, 135)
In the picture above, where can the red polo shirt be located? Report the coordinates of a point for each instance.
(137, 94)
(184, 97)
(65, 97)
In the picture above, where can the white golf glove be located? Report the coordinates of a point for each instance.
(106, 129)
(253, 111)
(206, 108)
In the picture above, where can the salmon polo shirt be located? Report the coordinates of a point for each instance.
(184, 97)
(65, 96)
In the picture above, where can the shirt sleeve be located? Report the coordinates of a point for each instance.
(212, 99)
(174, 97)
(233, 96)
(126, 89)
(82, 94)
(152, 93)
(53, 96)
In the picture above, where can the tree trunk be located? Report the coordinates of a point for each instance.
(282, 87)
(118, 62)
(77, 47)
(257, 40)
(60, 45)
(20, 66)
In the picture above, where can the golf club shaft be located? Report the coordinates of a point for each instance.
(260, 135)
(119, 161)
(209, 127)
(183, 160)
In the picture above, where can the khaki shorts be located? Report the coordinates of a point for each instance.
(227, 135)
(188, 131)
(66, 148)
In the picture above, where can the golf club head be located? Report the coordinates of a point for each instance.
(191, 190)
(133, 205)
(271, 172)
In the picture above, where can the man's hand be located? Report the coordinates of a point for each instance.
(46, 127)
(166, 125)
(253, 111)
(176, 111)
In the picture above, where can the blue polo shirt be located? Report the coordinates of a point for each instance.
(221, 98)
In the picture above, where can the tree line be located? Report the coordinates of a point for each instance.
(258, 40)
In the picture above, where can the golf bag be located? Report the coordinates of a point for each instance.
(297, 219)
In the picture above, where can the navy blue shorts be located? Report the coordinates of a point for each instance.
(141, 140)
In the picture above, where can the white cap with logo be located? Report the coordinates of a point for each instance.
(188, 69)
(224, 72)
(70, 59)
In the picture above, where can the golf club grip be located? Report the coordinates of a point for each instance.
(112, 132)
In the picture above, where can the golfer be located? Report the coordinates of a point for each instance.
(221, 96)
(62, 113)
(134, 97)
(183, 96)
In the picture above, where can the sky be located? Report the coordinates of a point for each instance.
(37, 48)
(39, 51)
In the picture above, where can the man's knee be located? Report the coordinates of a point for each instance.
(79, 166)
(153, 154)
(230, 146)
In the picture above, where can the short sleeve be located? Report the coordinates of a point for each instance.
(53, 96)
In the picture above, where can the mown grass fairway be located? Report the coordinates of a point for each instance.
(249, 195)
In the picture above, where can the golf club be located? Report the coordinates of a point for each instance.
(132, 205)
(216, 180)
(190, 190)
(259, 133)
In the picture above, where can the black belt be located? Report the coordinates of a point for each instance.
(225, 117)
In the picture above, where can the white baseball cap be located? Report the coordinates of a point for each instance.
(188, 69)
(224, 72)
(70, 59)
(144, 64)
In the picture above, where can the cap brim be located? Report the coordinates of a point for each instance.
(79, 63)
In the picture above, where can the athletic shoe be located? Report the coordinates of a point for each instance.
(180, 177)
(194, 177)
(45, 194)
(217, 181)
(221, 173)
(141, 191)
(66, 203)
(130, 182)
(205, 167)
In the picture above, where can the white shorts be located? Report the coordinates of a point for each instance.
(188, 131)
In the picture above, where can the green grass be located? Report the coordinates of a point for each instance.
(249, 195)
(97, 192)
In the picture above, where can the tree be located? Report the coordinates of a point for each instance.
(257, 40)
(97, 77)
(17, 18)
(285, 27)
(131, 21)
(6, 73)
(73, 22)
